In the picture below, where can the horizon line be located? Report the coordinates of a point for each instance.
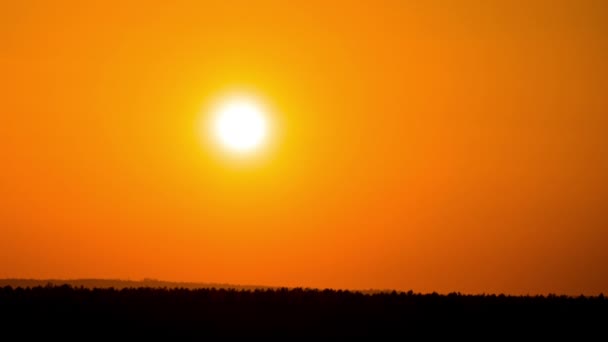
(191, 285)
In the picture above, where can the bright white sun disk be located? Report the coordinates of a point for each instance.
(240, 125)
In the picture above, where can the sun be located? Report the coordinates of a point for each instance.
(240, 124)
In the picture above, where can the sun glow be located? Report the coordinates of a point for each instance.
(240, 124)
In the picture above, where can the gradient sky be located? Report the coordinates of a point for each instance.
(425, 145)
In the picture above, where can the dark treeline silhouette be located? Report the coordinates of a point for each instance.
(65, 311)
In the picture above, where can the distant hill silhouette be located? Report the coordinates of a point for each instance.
(122, 284)
(181, 313)
(91, 283)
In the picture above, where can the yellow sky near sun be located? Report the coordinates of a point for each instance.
(434, 146)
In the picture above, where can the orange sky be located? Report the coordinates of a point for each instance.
(426, 145)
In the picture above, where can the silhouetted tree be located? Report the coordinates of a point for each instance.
(287, 313)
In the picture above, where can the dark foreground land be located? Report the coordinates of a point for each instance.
(65, 311)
